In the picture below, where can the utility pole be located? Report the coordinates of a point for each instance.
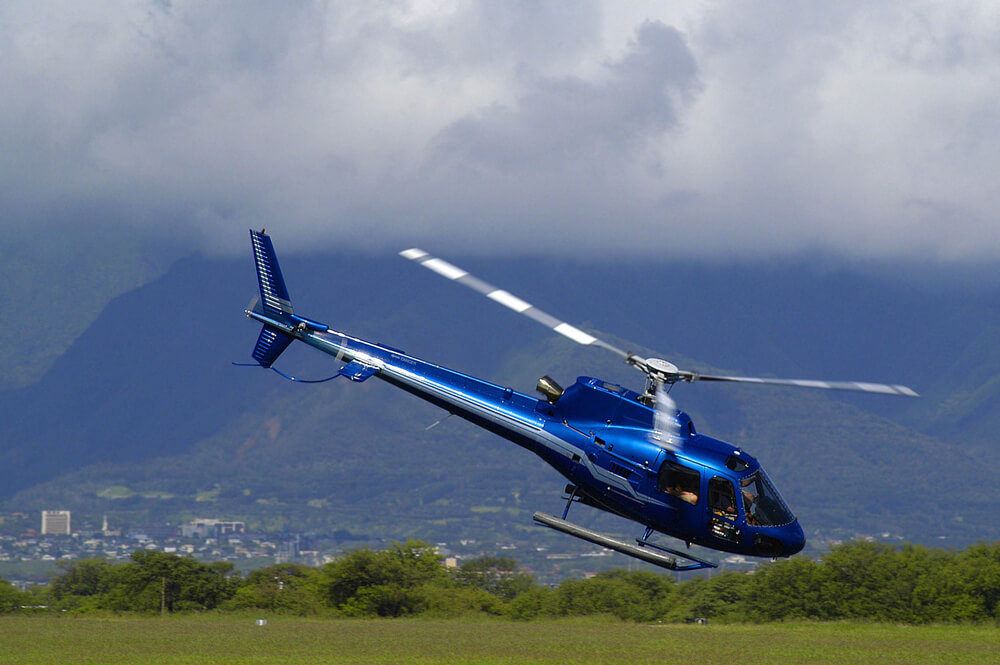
(163, 595)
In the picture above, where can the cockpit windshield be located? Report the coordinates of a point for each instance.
(763, 504)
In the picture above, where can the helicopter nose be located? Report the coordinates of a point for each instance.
(795, 540)
(781, 541)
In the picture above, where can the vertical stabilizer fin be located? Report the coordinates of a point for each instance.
(273, 293)
(274, 302)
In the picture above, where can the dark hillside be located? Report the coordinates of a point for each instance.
(147, 398)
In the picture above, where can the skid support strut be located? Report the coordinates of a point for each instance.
(571, 490)
(695, 564)
(642, 549)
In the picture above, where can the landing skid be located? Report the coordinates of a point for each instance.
(643, 550)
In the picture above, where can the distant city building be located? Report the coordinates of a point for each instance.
(210, 528)
(55, 523)
(287, 551)
(109, 532)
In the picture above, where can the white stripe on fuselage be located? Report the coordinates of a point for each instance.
(490, 410)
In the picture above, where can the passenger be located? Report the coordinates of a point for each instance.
(724, 505)
(683, 494)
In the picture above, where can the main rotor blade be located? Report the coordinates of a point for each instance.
(508, 300)
(858, 386)
(657, 371)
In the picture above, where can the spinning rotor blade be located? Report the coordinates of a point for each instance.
(858, 386)
(657, 371)
(508, 300)
(666, 431)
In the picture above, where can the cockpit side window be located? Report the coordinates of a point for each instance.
(679, 481)
(722, 497)
(763, 504)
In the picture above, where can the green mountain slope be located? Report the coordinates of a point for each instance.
(967, 408)
(59, 286)
(359, 458)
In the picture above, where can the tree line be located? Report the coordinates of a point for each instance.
(857, 580)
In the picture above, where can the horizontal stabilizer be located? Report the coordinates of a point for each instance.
(270, 344)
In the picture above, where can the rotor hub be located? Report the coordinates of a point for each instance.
(661, 366)
(658, 372)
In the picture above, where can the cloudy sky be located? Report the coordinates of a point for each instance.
(721, 129)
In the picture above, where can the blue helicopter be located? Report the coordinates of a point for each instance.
(631, 454)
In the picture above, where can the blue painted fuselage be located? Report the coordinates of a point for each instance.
(596, 435)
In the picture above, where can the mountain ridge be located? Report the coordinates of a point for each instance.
(147, 394)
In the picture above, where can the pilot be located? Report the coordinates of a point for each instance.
(749, 498)
(724, 505)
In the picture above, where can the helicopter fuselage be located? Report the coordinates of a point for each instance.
(597, 435)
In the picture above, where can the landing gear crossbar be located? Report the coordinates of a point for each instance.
(696, 563)
(644, 551)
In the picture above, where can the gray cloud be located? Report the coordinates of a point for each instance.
(852, 129)
(561, 142)
(556, 122)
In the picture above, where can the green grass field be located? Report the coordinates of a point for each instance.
(221, 640)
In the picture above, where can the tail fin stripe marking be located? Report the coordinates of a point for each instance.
(272, 284)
